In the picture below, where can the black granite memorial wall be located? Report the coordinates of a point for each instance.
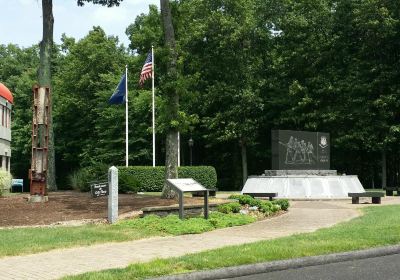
(300, 150)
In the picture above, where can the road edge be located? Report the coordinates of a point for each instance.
(249, 269)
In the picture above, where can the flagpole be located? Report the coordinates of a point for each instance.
(126, 116)
(153, 113)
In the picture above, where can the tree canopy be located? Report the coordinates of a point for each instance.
(243, 67)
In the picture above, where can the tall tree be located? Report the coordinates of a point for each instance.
(223, 42)
(44, 80)
(44, 72)
(172, 98)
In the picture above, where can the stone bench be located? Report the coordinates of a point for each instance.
(270, 195)
(389, 190)
(376, 197)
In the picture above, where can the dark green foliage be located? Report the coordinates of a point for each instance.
(330, 66)
(108, 3)
(244, 199)
(127, 183)
(263, 205)
(80, 179)
(247, 199)
(233, 207)
(283, 203)
(151, 179)
(173, 225)
(234, 196)
(205, 175)
(266, 207)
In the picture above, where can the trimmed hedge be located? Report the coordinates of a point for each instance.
(151, 179)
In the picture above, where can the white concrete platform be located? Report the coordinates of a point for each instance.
(303, 186)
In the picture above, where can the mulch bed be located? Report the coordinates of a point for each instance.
(70, 205)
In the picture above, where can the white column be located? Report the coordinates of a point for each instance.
(112, 195)
(3, 162)
(154, 107)
(126, 118)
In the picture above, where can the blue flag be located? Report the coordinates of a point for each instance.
(118, 96)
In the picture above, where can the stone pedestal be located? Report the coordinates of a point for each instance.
(304, 186)
(38, 198)
(113, 195)
(300, 172)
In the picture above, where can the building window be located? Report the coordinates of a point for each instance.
(8, 118)
(7, 163)
(2, 115)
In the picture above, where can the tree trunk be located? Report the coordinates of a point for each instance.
(244, 160)
(383, 169)
(44, 79)
(172, 95)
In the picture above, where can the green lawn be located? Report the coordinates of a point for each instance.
(374, 190)
(379, 226)
(32, 240)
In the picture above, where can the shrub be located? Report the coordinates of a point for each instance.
(266, 207)
(127, 183)
(235, 196)
(245, 199)
(283, 203)
(151, 179)
(275, 208)
(5, 181)
(233, 207)
(81, 178)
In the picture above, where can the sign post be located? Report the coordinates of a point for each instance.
(99, 189)
(113, 195)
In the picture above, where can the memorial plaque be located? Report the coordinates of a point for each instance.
(99, 189)
(187, 185)
(300, 150)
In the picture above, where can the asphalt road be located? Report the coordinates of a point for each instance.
(379, 268)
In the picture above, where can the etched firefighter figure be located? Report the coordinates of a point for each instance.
(299, 152)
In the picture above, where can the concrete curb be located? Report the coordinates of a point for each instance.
(243, 270)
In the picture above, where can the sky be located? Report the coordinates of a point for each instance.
(21, 20)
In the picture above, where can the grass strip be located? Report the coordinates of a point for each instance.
(20, 241)
(379, 226)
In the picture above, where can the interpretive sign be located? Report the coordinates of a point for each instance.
(296, 150)
(99, 189)
(188, 185)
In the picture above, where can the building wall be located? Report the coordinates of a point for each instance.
(5, 134)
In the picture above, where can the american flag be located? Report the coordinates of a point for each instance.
(146, 70)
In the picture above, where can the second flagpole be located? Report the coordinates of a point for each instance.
(153, 112)
(126, 116)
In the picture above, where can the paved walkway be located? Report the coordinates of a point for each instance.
(304, 216)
